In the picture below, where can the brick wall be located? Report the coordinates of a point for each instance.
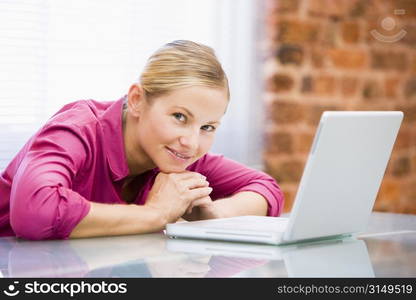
(339, 55)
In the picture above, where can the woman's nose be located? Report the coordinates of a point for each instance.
(190, 139)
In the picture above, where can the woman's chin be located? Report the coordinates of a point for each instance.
(172, 169)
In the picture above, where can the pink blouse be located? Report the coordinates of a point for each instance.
(78, 156)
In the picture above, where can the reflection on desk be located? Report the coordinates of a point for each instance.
(339, 258)
(383, 251)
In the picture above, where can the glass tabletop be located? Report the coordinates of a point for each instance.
(386, 249)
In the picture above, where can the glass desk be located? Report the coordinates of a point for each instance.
(386, 249)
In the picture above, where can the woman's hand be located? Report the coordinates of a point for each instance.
(202, 209)
(172, 194)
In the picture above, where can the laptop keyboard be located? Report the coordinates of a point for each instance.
(255, 223)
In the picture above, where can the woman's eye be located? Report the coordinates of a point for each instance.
(179, 117)
(208, 128)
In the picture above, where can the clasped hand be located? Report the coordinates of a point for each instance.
(184, 195)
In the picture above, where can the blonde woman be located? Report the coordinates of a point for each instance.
(133, 165)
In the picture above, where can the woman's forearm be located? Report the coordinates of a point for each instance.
(118, 219)
(243, 203)
(240, 204)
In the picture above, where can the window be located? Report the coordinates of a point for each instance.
(54, 51)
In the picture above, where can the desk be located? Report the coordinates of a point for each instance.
(386, 249)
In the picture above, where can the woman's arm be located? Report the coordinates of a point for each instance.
(237, 190)
(42, 203)
(240, 204)
(118, 219)
(170, 196)
(44, 206)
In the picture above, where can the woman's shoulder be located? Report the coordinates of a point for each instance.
(207, 161)
(81, 112)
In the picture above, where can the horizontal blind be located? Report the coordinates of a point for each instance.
(23, 72)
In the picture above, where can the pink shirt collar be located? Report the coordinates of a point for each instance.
(113, 140)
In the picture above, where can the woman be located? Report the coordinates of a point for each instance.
(133, 165)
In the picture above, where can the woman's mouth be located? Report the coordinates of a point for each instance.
(177, 155)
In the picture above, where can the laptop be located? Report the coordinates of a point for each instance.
(337, 191)
(334, 258)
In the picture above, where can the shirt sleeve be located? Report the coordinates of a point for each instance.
(42, 203)
(228, 177)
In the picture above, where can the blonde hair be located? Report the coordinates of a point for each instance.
(181, 64)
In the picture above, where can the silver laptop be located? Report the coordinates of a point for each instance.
(336, 194)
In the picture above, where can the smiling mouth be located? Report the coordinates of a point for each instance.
(178, 155)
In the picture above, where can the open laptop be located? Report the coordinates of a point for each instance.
(336, 194)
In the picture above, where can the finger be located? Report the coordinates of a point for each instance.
(199, 193)
(198, 202)
(205, 201)
(201, 201)
(195, 183)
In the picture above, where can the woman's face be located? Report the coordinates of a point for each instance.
(176, 129)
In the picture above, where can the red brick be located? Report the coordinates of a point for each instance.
(401, 166)
(297, 32)
(307, 84)
(286, 171)
(319, 85)
(412, 138)
(410, 89)
(409, 6)
(349, 86)
(290, 54)
(330, 34)
(391, 87)
(408, 202)
(358, 8)
(410, 37)
(287, 6)
(350, 32)
(413, 63)
(348, 59)
(285, 112)
(389, 60)
(389, 194)
(409, 111)
(318, 57)
(303, 142)
(324, 84)
(327, 8)
(289, 192)
(280, 83)
(413, 165)
(372, 90)
(313, 113)
(403, 138)
(279, 142)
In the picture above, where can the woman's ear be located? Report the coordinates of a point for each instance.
(135, 99)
